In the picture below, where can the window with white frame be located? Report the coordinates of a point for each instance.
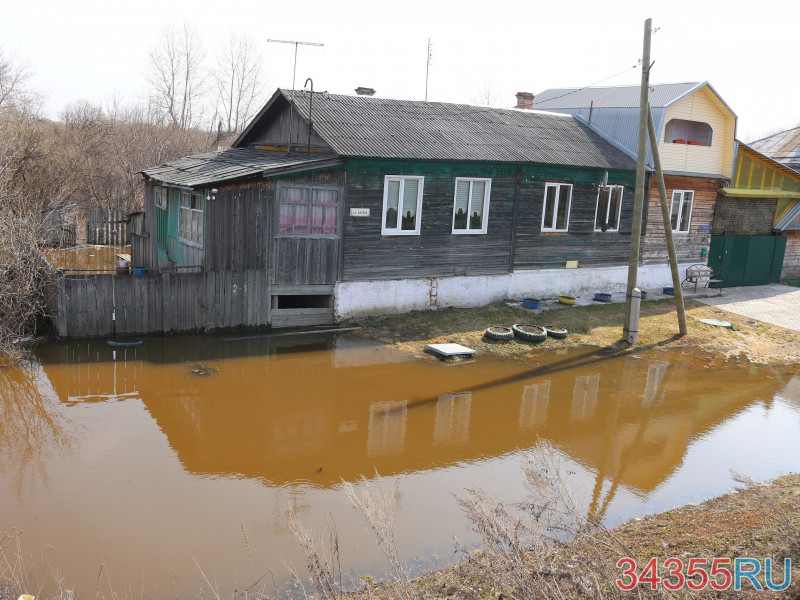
(681, 210)
(190, 221)
(609, 204)
(402, 205)
(471, 205)
(557, 200)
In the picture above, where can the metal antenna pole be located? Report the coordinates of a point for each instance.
(296, 43)
(427, 69)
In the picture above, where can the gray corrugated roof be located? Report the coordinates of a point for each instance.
(211, 167)
(380, 128)
(626, 96)
(783, 147)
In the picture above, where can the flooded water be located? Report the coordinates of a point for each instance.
(87, 259)
(125, 457)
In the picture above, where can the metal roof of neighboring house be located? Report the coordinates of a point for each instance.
(624, 96)
(213, 167)
(783, 147)
(363, 126)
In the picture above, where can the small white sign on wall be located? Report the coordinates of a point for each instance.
(359, 212)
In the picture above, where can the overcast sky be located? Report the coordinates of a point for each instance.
(92, 49)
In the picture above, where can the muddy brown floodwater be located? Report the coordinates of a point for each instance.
(125, 457)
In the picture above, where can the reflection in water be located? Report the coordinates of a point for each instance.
(31, 426)
(279, 425)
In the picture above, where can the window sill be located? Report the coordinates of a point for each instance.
(555, 231)
(393, 233)
(606, 231)
(468, 232)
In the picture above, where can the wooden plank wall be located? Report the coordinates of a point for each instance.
(537, 250)
(688, 246)
(106, 305)
(437, 252)
(236, 227)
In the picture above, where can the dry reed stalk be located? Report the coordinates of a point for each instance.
(379, 508)
(324, 566)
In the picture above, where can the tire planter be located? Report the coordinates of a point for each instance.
(499, 333)
(557, 333)
(643, 295)
(531, 302)
(602, 297)
(566, 299)
(529, 333)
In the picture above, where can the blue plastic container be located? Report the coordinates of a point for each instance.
(531, 302)
(140, 270)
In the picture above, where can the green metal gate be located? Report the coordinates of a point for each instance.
(747, 259)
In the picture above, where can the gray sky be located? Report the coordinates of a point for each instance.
(91, 49)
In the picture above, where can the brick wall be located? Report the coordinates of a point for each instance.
(744, 216)
(791, 259)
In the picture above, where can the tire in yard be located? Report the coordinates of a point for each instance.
(557, 333)
(499, 333)
(529, 333)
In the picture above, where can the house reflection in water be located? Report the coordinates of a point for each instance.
(276, 412)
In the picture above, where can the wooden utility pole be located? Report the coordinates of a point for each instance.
(631, 331)
(662, 192)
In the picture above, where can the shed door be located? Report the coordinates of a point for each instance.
(747, 260)
(308, 236)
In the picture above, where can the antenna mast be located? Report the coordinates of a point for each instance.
(296, 43)
(427, 69)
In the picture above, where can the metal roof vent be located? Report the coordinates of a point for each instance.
(365, 91)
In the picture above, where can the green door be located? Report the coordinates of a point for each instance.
(747, 260)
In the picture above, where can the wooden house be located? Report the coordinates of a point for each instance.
(696, 142)
(354, 205)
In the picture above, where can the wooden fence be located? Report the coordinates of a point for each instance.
(113, 305)
(107, 227)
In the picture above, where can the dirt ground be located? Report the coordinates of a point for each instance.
(596, 325)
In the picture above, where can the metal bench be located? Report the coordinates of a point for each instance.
(701, 274)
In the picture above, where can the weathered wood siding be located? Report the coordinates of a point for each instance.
(105, 305)
(537, 249)
(717, 159)
(237, 227)
(287, 128)
(436, 252)
(688, 246)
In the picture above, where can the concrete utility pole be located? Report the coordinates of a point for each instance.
(662, 192)
(630, 331)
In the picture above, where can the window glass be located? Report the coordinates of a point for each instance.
(676, 207)
(563, 207)
(409, 218)
(476, 205)
(308, 210)
(681, 210)
(402, 203)
(462, 205)
(609, 202)
(550, 206)
(555, 213)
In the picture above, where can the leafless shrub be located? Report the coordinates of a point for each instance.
(323, 565)
(524, 552)
(379, 507)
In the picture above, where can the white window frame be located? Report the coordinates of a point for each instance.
(484, 215)
(201, 210)
(680, 209)
(555, 208)
(402, 179)
(607, 190)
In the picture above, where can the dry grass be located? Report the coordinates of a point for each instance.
(595, 325)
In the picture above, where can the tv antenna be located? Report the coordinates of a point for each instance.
(428, 68)
(296, 44)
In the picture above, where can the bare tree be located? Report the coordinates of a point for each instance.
(176, 75)
(486, 96)
(14, 77)
(240, 82)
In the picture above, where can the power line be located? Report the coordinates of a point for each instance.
(576, 90)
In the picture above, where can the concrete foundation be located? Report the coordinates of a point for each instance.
(396, 296)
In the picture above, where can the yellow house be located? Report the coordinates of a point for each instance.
(696, 132)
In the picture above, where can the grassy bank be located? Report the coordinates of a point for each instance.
(757, 521)
(597, 325)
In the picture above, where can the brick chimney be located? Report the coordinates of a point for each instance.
(365, 91)
(524, 100)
